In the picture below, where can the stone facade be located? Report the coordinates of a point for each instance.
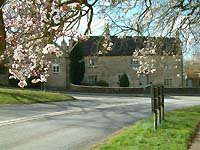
(192, 73)
(58, 73)
(110, 68)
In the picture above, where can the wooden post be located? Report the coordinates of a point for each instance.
(162, 102)
(155, 108)
(152, 98)
(155, 120)
(159, 104)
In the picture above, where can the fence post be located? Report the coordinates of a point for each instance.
(155, 105)
(162, 103)
(152, 98)
(159, 103)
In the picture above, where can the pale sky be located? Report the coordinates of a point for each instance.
(97, 25)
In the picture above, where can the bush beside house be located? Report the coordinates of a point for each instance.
(77, 65)
(102, 83)
(124, 81)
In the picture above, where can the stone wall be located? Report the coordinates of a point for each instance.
(98, 89)
(131, 90)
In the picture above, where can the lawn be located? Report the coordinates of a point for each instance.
(175, 133)
(21, 96)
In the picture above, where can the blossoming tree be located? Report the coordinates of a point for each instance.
(32, 29)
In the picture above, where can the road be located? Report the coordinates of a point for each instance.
(75, 125)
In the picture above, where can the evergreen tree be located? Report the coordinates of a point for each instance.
(77, 64)
(124, 81)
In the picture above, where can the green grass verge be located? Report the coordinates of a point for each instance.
(173, 134)
(13, 96)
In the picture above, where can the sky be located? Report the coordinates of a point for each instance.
(97, 28)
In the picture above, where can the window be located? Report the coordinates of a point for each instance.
(167, 66)
(168, 82)
(92, 79)
(56, 68)
(134, 62)
(92, 62)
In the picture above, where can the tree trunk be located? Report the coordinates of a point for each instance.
(2, 33)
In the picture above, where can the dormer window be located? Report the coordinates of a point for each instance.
(56, 68)
(92, 62)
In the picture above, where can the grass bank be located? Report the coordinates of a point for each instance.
(13, 96)
(174, 134)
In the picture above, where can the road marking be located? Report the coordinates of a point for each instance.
(36, 117)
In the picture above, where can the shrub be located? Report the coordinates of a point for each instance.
(77, 65)
(124, 81)
(102, 83)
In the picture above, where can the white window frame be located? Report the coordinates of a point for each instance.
(55, 68)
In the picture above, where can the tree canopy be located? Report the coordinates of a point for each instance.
(170, 18)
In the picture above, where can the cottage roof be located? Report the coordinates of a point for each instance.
(127, 45)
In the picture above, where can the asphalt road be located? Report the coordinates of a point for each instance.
(75, 125)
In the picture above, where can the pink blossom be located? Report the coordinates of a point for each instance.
(35, 80)
(22, 84)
